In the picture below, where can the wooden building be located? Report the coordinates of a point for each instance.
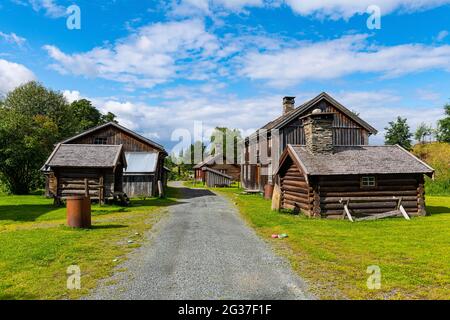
(71, 165)
(217, 163)
(323, 179)
(214, 178)
(262, 150)
(145, 157)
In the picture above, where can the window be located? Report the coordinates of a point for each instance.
(368, 182)
(100, 141)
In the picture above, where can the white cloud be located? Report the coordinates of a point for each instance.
(379, 108)
(13, 75)
(428, 95)
(72, 96)
(342, 57)
(50, 7)
(333, 9)
(153, 55)
(442, 35)
(208, 7)
(247, 114)
(13, 38)
(336, 9)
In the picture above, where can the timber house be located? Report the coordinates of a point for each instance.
(262, 149)
(144, 161)
(214, 166)
(70, 166)
(323, 179)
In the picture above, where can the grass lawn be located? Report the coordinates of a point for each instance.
(333, 256)
(37, 247)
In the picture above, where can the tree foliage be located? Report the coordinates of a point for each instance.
(398, 132)
(443, 130)
(226, 142)
(422, 132)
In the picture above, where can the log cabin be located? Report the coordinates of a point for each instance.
(145, 158)
(219, 164)
(72, 165)
(323, 179)
(261, 151)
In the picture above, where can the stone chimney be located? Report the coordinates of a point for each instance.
(288, 104)
(318, 127)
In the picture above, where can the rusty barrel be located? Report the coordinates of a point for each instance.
(268, 191)
(79, 212)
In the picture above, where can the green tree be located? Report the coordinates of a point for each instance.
(32, 120)
(443, 129)
(86, 115)
(109, 117)
(398, 133)
(33, 99)
(222, 139)
(423, 131)
(25, 143)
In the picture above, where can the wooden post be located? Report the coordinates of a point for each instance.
(346, 211)
(276, 198)
(316, 203)
(86, 188)
(100, 191)
(160, 189)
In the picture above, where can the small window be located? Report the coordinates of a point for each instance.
(368, 182)
(100, 141)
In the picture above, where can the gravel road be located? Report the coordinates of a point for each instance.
(203, 250)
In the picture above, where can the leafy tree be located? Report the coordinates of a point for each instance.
(398, 133)
(443, 130)
(33, 99)
(223, 138)
(32, 120)
(423, 131)
(24, 145)
(86, 114)
(109, 117)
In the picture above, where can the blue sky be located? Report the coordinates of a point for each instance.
(162, 66)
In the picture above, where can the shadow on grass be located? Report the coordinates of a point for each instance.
(108, 226)
(25, 212)
(438, 210)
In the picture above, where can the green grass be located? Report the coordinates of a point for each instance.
(37, 247)
(437, 155)
(414, 256)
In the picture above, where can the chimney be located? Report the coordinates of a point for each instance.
(288, 104)
(318, 127)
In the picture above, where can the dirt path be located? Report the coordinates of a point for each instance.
(203, 250)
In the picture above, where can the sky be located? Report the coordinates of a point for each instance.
(182, 67)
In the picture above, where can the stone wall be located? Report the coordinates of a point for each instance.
(319, 133)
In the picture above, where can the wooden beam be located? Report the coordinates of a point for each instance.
(402, 210)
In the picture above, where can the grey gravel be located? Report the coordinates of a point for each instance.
(203, 250)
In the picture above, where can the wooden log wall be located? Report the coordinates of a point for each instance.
(139, 185)
(213, 179)
(71, 182)
(233, 170)
(368, 201)
(295, 191)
